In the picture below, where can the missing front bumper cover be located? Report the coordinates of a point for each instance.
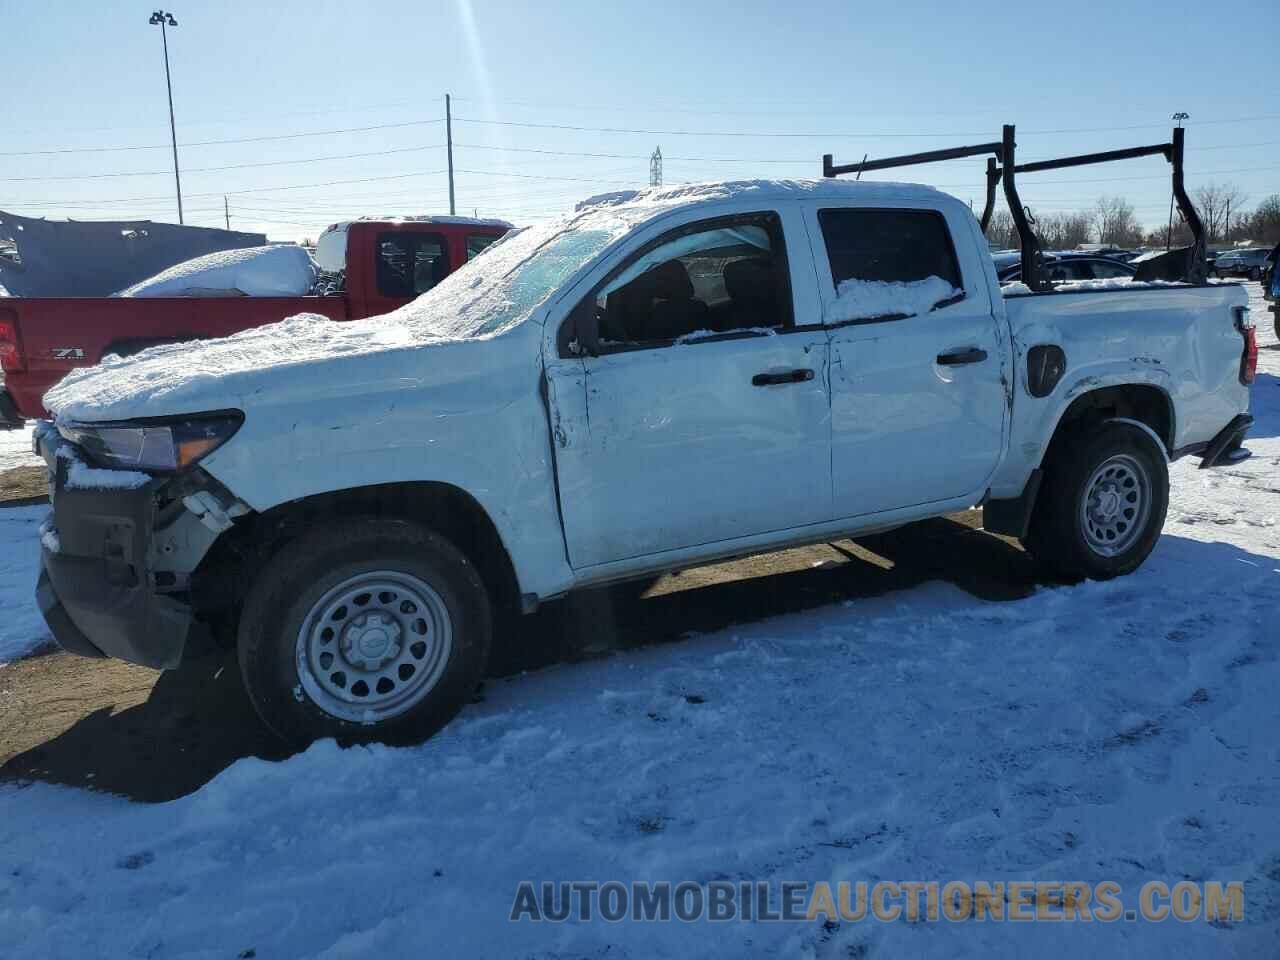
(96, 588)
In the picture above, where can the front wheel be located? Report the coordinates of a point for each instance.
(1102, 503)
(368, 629)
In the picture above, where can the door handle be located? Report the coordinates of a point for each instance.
(789, 376)
(956, 358)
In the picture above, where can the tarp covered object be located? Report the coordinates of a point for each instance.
(68, 258)
(278, 270)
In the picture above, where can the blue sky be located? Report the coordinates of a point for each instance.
(728, 89)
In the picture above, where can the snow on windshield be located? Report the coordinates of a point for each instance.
(499, 289)
(492, 294)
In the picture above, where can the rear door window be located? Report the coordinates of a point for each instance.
(410, 263)
(478, 242)
(887, 264)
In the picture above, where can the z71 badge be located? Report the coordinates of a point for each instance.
(67, 353)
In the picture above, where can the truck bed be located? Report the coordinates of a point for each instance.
(57, 334)
(1183, 340)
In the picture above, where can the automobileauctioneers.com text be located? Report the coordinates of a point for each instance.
(955, 901)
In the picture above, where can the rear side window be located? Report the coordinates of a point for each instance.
(894, 246)
(1067, 271)
(1102, 270)
(410, 263)
(477, 242)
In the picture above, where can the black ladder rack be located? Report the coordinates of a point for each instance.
(1002, 166)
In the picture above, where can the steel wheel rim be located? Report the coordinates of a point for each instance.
(1116, 505)
(374, 646)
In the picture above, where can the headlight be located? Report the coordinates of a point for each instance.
(155, 445)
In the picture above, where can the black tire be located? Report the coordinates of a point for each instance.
(1255, 273)
(1058, 537)
(292, 584)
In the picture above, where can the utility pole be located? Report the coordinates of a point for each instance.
(448, 136)
(1168, 237)
(226, 211)
(164, 20)
(655, 167)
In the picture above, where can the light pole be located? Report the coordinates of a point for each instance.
(164, 20)
(1168, 237)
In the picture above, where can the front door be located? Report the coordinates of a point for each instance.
(918, 361)
(699, 412)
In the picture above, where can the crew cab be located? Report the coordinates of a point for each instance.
(375, 265)
(655, 381)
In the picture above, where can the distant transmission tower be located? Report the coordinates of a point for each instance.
(655, 168)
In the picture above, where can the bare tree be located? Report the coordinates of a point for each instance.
(1217, 202)
(1001, 230)
(1114, 222)
(1263, 225)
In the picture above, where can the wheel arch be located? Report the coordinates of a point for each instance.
(231, 566)
(1145, 405)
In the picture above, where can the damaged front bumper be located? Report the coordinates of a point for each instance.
(97, 589)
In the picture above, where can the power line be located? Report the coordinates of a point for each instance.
(219, 193)
(518, 176)
(232, 166)
(828, 135)
(210, 143)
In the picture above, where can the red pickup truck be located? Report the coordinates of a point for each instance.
(387, 264)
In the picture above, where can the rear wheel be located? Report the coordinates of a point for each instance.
(1255, 273)
(1102, 504)
(371, 629)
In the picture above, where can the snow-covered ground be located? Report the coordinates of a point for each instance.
(1119, 731)
(15, 449)
(22, 629)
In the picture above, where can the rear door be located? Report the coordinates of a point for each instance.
(918, 361)
(407, 263)
(701, 413)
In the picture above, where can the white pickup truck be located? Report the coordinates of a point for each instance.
(655, 381)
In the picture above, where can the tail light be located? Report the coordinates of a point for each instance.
(1249, 356)
(10, 356)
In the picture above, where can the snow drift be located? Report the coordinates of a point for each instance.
(276, 271)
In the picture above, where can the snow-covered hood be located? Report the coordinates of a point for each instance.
(307, 352)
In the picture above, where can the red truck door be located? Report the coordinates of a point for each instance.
(391, 263)
(405, 264)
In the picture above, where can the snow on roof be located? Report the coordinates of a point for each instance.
(833, 188)
(424, 218)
